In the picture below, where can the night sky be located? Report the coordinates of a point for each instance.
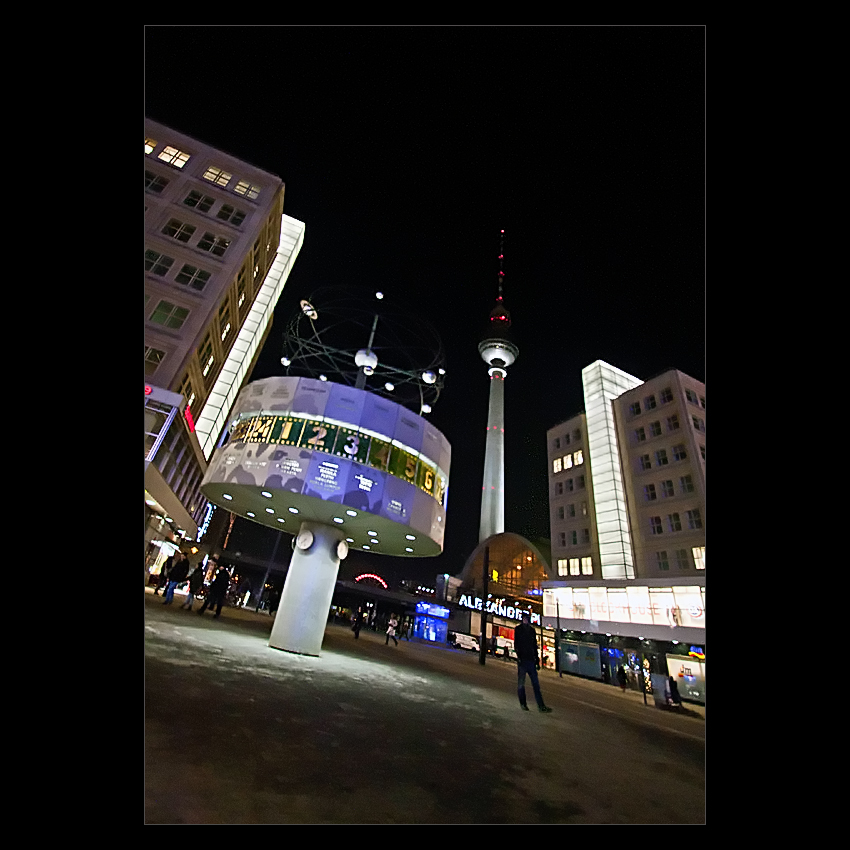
(405, 150)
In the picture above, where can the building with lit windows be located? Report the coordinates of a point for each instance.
(218, 251)
(627, 513)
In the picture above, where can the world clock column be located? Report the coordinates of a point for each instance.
(299, 624)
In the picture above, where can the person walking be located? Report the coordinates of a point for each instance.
(196, 582)
(217, 593)
(162, 582)
(391, 630)
(356, 623)
(528, 662)
(622, 678)
(179, 573)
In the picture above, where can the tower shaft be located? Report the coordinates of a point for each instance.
(493, 489)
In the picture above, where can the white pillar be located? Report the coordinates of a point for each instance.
(299, 624)
(493, 488)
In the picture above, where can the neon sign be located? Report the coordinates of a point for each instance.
(189, 419)
(496, 607)
(372, 575)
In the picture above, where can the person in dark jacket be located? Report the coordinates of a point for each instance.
(528, 663)
(217, 592)
(196, 582)
(179, 573)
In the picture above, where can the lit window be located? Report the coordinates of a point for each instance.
(243, 187)
(578, 457)
(574, 566)
(568, 461)
(217, 176)
(563, 567)
(173, 156)
(556, 465)
(699, 557)
(169, 315)
(150, 144)
(587, 566)
(193, 277)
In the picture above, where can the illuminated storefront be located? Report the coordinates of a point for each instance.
(648, 627)
(432, 622)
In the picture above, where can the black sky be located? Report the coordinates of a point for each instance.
(405, 150)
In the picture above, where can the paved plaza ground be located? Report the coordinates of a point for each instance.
(239, 733)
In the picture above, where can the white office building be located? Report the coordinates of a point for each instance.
(628, 520)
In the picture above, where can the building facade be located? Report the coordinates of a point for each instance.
(661, 441)
(627, 479)
(218, 251)
(627, 511)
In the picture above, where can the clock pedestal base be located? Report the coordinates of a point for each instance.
(299, 624)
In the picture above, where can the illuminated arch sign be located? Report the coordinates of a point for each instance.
(373, 576)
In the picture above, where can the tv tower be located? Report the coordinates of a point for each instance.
(498, 352)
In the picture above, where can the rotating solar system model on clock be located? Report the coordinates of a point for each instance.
(336, 452)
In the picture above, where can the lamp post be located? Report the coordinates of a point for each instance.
(482, 639)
